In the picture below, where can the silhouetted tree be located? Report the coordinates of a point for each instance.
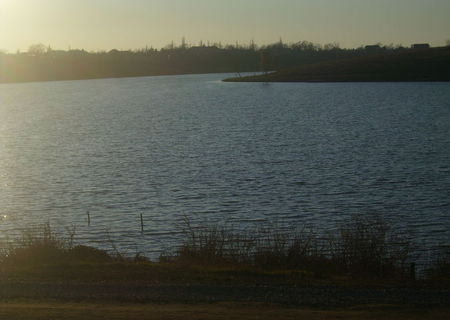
(44, 63)
(332, 46)
(37, 49)
(267, 61)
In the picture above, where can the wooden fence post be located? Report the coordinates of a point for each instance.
(412, 271)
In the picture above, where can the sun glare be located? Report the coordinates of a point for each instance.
(6, 3)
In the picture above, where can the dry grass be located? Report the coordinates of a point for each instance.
(364, 249)
(364, 246)
(440, 268)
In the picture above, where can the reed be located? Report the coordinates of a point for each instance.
(362, 247)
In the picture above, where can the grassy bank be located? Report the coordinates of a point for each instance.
(409, 65)
(362, 250)
(220, 273)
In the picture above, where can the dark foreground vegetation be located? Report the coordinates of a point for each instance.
(359, 272)
(222, 311)
(362, 250)
(402, 65)
(41, 63)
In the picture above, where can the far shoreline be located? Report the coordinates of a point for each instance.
(244, 79)
(425, 65)
(117, 77)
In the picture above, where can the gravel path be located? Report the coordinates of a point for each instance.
(323, 297)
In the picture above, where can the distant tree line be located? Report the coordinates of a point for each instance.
(42, 63)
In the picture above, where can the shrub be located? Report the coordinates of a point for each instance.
(41, 246)
(364, 246)
(440, 267)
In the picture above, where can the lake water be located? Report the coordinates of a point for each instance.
(243, 154)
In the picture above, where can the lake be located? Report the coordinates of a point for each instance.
(243, 154)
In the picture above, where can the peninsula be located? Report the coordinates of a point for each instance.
(397, 66)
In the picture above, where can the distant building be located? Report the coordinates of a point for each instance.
(420, 46)
(372, 47)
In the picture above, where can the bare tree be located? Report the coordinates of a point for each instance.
(37, 49)
(331, 46)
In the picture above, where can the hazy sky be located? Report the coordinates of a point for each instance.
(129, 24)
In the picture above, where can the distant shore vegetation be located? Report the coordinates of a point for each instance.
(420, 64)
(42, 63)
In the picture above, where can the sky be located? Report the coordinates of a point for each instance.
(130, 24)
